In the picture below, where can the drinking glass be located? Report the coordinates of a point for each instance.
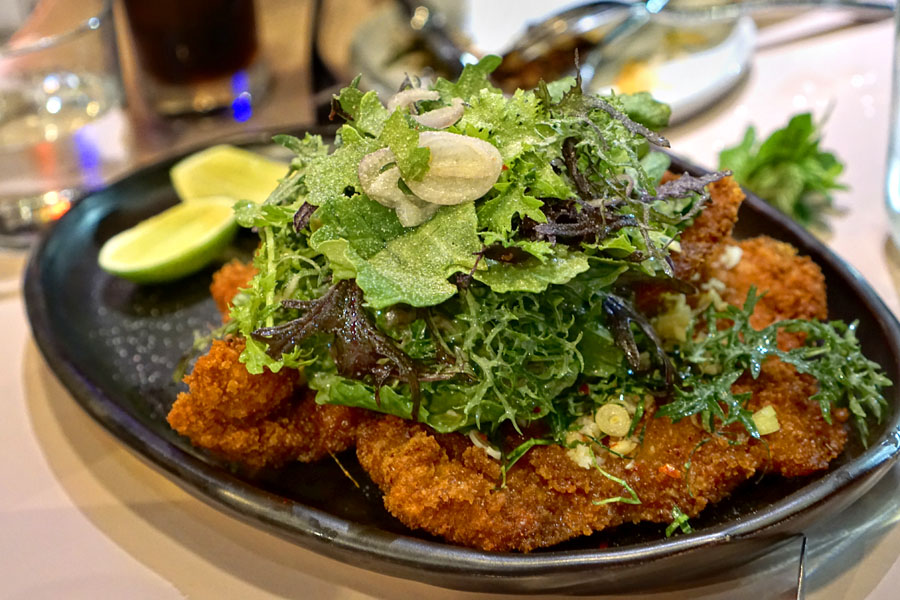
(59, 86)
(892, 180)
(197, 56)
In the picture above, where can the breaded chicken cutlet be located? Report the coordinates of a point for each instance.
(259, 420)
(447, 486)
(228, 281)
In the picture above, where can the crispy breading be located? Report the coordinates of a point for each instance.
(794, 285)
(702, 241)
(259, 420)
(447, 486)
(227, 281)
(712, 228)
(805, 443)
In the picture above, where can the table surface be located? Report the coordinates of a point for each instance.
(81, 517)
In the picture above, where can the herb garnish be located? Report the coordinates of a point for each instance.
(679, 522)
(788, 170)
(711, 361)
(548, 260)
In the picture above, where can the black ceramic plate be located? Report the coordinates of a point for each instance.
(114, 345)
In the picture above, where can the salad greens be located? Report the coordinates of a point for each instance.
(515, 307)
(788, 170)
(830, 353)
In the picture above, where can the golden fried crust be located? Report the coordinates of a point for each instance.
(704, 239)
(259, 420)
(805, 443)
(227, 281)
(448, 487)
(794, 285)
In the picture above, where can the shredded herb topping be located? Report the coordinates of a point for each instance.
(516, 307)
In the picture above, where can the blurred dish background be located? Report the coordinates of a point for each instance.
(689, 64)
(689, 67)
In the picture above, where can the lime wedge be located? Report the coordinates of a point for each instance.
(226, 171)
(173, 243)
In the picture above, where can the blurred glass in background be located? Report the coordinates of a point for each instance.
(198, 56)
(59, 81)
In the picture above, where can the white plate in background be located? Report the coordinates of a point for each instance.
(692, 81)
(689, 81)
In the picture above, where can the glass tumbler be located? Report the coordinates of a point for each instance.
(892, 181)
(59, 84)
(198, 56)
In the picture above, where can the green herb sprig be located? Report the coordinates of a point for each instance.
(788, 170)
(711, 362)
(679, 522)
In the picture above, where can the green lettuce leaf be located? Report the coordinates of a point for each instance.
(307, 150)
(372, 114)
(533, 275)
(471, 82)
(444, 415)
(365, 224)
(601, 356)
(510, 124)
(350, 98)
(643, 109)
(497, 214)
(557, 89)
(327, 180)
(655, 164)
(252, 214)
(413, 268)
(403, 140)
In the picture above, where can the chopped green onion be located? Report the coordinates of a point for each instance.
(766, 420)
(613, 419)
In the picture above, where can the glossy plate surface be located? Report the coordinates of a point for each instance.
(114, 345)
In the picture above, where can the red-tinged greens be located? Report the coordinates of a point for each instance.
(515, 308)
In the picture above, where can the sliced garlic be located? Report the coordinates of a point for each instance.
(410, 96)
(414, 212)
(378, 183)
(478, 440)
(383, 187)
(462, 168)
(624, 446)
(441, 118)
(581, 455)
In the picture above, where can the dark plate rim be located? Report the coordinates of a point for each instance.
(418, 559)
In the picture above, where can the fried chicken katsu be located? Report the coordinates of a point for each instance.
(227, 281)
(259, 420)
(711, 229)
(448, 486)
(526, 328)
